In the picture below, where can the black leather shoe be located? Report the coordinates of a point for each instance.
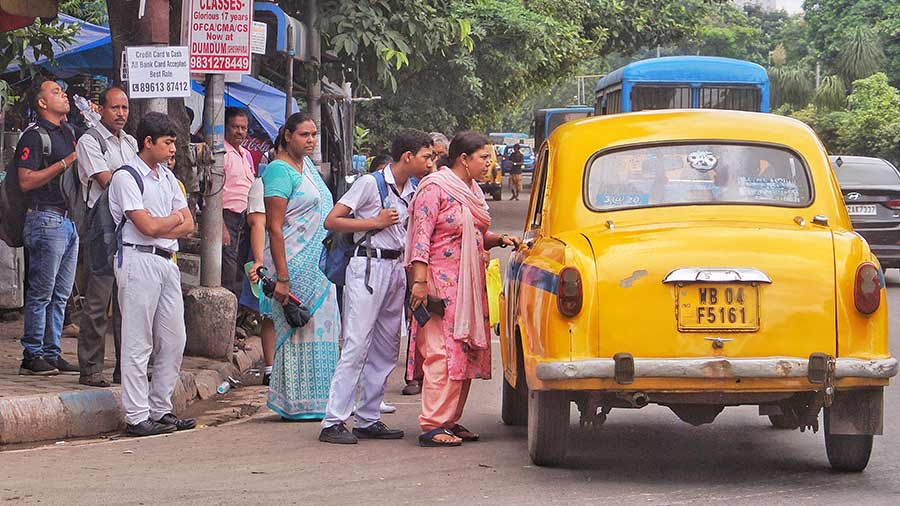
(37, 366)
(63, 366)
(412, 388)
(148, 428)
(337, 434)
(178, 423)
(377, 430)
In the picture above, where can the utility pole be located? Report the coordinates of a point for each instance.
(211, 224)
(153, 26)
(289, 91)
(314, 85)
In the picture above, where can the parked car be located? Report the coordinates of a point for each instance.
(529, 158)
(696, 260)
(491, 182)
(871, 188)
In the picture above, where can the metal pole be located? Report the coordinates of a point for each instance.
(211, 223)
(289, 90)
(314, 85)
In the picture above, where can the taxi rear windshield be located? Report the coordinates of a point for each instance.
(697, 174)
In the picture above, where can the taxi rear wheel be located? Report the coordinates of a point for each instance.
(514, 403)
(847, 452)
(548, 426)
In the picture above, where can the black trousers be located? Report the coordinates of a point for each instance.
(234, 254)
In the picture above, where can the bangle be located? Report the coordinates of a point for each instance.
(285, 279)
(503, 244)
(63, 161)
(420, 281)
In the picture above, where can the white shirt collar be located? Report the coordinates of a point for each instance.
(138, 163)
(389, 178)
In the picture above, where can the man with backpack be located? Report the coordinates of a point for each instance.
(103, 149)
(44, 152)
(374, 290)
(146, 202)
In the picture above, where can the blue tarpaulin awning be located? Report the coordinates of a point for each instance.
(90, 52)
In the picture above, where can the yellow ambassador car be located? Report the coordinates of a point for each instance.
(697, 260)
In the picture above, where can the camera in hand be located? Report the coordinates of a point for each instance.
(296, 314)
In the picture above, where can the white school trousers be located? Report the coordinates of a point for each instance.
(152, 322)
(371, 327)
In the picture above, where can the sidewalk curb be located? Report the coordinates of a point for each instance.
(90, 412)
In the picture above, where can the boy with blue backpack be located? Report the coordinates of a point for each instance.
(375, 210)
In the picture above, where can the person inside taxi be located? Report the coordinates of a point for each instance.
(447, 237)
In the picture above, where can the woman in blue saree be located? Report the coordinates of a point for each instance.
(297, 202)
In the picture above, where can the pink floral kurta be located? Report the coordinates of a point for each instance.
(436, 225)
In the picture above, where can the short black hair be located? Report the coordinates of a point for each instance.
(104, 93)
(379, 160)
(154, 125)
(466, 142)
(234, 112)
(190, 114)
(34, 91)
(409, 139)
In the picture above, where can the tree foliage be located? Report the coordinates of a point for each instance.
(831, 95)
(860, 54)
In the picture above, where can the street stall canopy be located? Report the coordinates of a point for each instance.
(91, 51)
(265, 103)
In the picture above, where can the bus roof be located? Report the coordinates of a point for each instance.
(579, 108)
(687, 69)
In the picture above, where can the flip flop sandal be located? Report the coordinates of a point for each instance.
(459, 431)
(428, 440)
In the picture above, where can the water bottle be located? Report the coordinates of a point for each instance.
(223, 387)
(91, 118)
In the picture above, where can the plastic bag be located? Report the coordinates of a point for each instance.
(494, 285)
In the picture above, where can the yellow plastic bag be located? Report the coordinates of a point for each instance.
(494, 285)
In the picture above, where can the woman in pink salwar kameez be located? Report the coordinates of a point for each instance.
(448, 235)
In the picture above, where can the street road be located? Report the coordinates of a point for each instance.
(640, 457)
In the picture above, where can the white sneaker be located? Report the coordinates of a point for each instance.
(387, 408)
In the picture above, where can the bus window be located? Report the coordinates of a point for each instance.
(614, 102)
(743, 98)
(645, 97)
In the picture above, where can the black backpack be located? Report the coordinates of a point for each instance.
(104, 235)
(12, 209)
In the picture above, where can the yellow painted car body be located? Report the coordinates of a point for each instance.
(629, 259)
(491, 181)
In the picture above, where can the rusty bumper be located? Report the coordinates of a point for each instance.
(715, 368)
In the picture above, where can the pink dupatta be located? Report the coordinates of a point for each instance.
(469, 317)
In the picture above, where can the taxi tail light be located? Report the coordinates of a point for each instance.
(570, 295)
(893, 204)
(867, 289)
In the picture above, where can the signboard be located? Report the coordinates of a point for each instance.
(258, 38)
(158, 72)
(217, 33)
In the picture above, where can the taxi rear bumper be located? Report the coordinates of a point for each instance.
(712, 368)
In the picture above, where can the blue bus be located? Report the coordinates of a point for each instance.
(684, 82)
(546, 120)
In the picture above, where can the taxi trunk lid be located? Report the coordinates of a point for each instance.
(757, 290)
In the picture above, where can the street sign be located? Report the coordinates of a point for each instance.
(158, 72)
(258, 38)
(217, 33)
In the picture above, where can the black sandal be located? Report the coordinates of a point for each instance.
(458, 431)
(428, 440)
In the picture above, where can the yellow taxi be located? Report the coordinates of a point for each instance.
(696, 260)
(491, 181)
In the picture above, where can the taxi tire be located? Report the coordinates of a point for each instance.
(514, 401)
(848, 453)
(548, 426)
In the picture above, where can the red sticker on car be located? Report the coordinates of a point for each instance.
(26, 152)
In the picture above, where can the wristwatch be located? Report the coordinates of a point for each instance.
(502, 237)
(285, 279)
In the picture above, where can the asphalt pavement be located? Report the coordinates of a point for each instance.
(639, 457)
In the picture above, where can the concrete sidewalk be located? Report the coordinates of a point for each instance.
(36, 408)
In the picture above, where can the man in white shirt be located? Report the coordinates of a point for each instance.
(101, 151)
(149, 282)
(375, 290)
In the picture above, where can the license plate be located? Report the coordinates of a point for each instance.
(719, 306)
(862, 210)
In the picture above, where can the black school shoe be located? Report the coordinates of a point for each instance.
(377, 430)
(37, 366)
(178, 423)
(148, 428)
(63, 366)
(337, 434)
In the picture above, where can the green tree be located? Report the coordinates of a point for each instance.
(92, 11)
(860, 54)
(831, 95)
